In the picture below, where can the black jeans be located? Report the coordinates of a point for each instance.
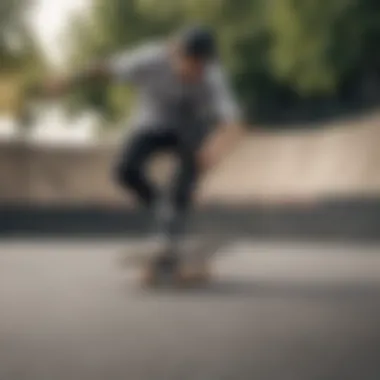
(131, 169)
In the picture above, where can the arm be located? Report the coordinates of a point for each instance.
(129, 67)
(230, 129)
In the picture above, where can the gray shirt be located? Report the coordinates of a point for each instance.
(165, 101)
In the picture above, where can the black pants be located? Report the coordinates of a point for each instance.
(131, 169)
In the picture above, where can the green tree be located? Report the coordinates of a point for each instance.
(111, 26)
(282, 54)
(20, 58)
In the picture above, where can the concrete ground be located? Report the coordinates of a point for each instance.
(70, 311)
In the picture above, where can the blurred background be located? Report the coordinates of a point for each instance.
(306, 74)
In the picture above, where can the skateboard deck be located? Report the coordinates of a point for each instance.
(191, 265)
(180, 274)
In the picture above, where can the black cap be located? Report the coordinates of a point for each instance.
(199, 42)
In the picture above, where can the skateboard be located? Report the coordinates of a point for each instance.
(189, 266)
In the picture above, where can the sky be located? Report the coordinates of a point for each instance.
(49, 19)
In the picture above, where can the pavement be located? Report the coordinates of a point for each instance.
(309, 311)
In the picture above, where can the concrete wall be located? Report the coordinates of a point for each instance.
(313, 185)
(338, 160)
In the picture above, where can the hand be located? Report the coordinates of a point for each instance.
(218, 146)
(208, 158)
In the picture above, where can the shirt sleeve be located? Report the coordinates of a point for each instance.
(223, 103)
(132, 65)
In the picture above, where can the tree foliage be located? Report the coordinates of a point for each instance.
(281, 53)
(111, 25)
(20, 58)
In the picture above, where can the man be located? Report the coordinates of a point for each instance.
(185, 107)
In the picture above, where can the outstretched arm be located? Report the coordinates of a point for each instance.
(130, 66)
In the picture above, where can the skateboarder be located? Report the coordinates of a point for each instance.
(186, 107)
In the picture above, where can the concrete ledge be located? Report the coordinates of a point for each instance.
(350, 220)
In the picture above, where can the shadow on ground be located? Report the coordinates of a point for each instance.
(237, 288)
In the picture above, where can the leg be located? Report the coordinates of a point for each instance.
(182, 192)
(130, 171)
(195, 270)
